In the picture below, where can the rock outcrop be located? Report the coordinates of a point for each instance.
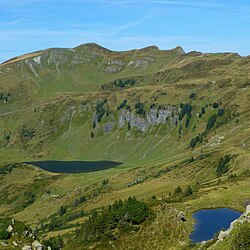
(245, 217)
(153, 117)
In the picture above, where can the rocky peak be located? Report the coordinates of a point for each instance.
(179, 50)
(92, 46)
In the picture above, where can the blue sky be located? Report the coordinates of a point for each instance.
(207, 26)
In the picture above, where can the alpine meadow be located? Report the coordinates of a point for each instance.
(139, 149)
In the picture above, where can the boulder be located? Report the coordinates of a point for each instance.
(15, 244)
(26, 247)
(37, 245)
(4, 244)
(31, 235)
(10, 229)
(222, 235)
(25, 234)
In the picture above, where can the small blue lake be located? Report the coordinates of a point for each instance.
(74, 166)
(211, 221)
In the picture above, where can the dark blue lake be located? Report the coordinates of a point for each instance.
(74, 166)
(210, 222)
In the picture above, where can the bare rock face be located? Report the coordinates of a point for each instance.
(116, 62)
(57, 56)
(135, 121)
(153, 117)
(139, 123)
(108, 127)
(140, 63)
(156, 117)
(77, 59)
(113, 69)
(122, 119)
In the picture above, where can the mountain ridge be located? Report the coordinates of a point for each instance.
(95, 45)
(86, 45)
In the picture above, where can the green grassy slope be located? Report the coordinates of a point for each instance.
(52, 101)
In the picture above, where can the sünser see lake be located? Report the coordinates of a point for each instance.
(211, 221)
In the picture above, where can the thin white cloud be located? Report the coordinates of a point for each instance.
(187, 3)
(11, 22)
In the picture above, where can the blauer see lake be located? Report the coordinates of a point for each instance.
(211, 221)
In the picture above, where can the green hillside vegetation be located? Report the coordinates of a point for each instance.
(179, 123)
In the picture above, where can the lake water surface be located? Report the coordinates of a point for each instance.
(211, 221)
(74, 166)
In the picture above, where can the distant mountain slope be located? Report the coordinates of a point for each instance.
(180, 123)
(50, 97)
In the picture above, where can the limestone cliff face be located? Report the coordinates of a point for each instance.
(152, 118)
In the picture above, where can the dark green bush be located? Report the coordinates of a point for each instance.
(140, 109)
(222, 167)
(4, 170)
(215, 105)
(180, 128)
(187, 122)
(186, 109)
(188, 191)
(178, 190)
(62, 210)
(56, 243)
(122, 105)
(4, 234)
(102, 225)
(119, 83)
(192, 95)
(100, 111)
(55, 224)
(29, 198)
(203, 111)
(194, 141)
(211, 122)
(75, 216)
(26, 133)
(221, 112)
(4, 97)
(82, 199)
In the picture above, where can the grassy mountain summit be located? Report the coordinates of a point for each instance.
(178, 121)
